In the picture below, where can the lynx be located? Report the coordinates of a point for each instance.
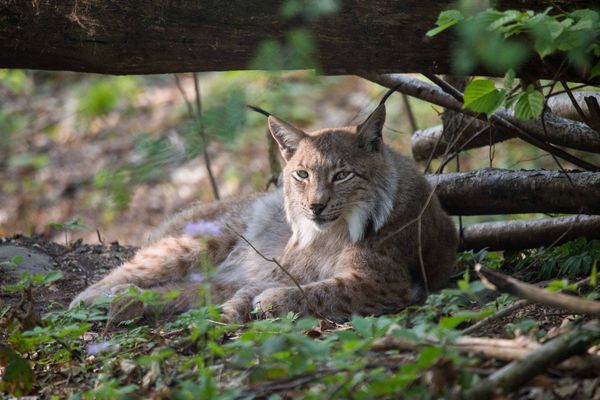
(355, 229)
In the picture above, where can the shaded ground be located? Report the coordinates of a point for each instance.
(82, 264)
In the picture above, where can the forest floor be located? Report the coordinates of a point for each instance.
(83, 356)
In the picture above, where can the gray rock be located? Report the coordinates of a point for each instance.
(34, 262)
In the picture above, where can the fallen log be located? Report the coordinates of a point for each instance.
(433, 141)
(160, 36)
(558, 130)
(527, 234)
(495, 191)
(519, 372)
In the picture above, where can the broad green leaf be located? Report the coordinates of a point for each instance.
(482, 96)
(51, 277)
(594, 275)
(459, 318)
(530, 104)
(363, 326)
(274, 344)
(445, 20)
(508, 16)
(428, 356)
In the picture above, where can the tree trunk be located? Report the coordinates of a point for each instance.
(495, 191)
(160, 36)
(528, 234)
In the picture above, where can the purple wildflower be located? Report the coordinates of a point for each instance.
(95, 348)
(194, 277)
(202, 228)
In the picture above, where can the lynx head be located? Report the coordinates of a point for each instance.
(336, 179)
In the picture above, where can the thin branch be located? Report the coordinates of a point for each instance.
(510, 309)
(495, 317)
(211, 177)
(421, 262)
(412, 221)
(274, 261)
(503, 283)
(445, 86)
(594, 110)
(408, 109)
(197, 116)
(584, 117)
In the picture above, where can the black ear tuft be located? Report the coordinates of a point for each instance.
(287, 136)
(370, 131)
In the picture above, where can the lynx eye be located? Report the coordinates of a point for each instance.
(300, 174)
(342, 176)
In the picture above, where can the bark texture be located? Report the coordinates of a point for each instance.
(558, 130)
(527, 234)
(564, 126)
(517, 373)
(495, 191)
(161, 36)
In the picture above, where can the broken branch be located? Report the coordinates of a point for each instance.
(503, 283)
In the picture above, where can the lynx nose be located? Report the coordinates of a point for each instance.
(317, 208)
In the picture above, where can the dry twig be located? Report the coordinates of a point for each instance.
(506, 284)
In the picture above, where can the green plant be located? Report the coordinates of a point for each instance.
(502, 41)
(105, 94)
(71, 225)
(569, 260)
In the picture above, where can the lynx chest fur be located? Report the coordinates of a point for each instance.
(354, 229)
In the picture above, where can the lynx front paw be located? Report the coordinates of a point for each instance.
(89, 295)
(235, 312)
(275, 301)
(125, 307)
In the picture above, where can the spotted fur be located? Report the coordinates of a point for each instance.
(343, 226)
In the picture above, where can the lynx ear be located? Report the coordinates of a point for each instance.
(287, 136)
(370, 131)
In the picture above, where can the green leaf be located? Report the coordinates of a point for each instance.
(530, 104)
(482, 96)
(274, 344)
(459, 318)
(508, 16)
(17, 378)
(445, 20)
(51, 277)
(594, 275)
(363, 326)
(428, 356)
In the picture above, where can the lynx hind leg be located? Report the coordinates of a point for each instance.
(126, 307)
(170, 259)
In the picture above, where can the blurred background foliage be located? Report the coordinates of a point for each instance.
(122, 153)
